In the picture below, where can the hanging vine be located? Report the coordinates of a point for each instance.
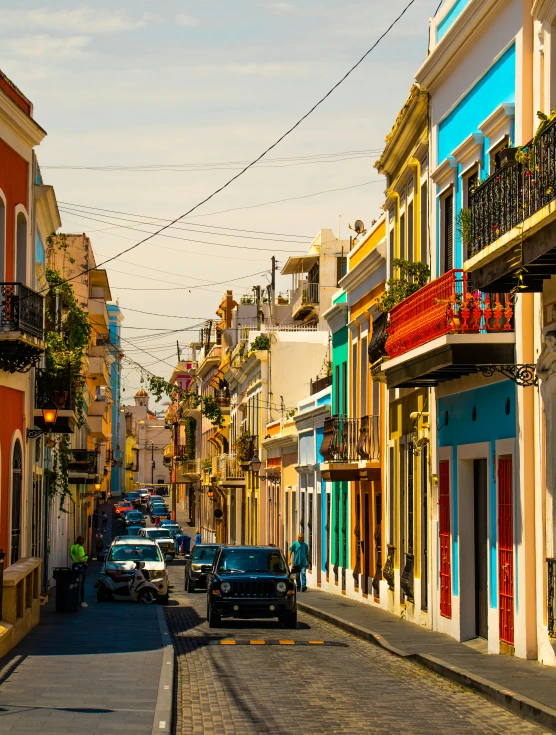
(57, 480)
(190, 429)
(208, 405)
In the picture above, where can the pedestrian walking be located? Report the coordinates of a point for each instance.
(104, 520)
(156, 521)
(198, 537)
(99, 545)
(95, 520)
(79, 563)
(300, 553)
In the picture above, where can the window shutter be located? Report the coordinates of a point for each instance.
(448, 232)
(410, 232)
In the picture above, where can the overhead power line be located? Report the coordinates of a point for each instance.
(225, 165)
(259, 157)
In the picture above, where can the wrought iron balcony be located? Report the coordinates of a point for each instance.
(379, 336)
(304, 298)
(350, 447)
(21, 310)
(551, 599)
(227, 468)
(447, 305)
(514, 192)
(82, 465)
(54, 386)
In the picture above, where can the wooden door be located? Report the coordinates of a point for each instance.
(367, 543)
(445, 539)
(506, 550)
(481, 546)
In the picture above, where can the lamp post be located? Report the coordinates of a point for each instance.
(49, 417)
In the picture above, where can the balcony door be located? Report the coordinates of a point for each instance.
(17, 484)
(445, 538)
(506, 550)
(448, 232)
(480, 487)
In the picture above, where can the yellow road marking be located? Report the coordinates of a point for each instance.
(287, 643)
(316, 643)
(257, 643)
(227, 642)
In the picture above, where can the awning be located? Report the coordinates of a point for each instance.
(299, 264)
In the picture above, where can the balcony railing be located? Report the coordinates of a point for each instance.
(448, 305)
(514, 192)
(190, 467)
(551, 600)
(306, 294)
(378, 339)
(54, 387)
(351, 440)
(222, 397)
(228, 467)
(315, 386)
(21, 310)
(82, 460)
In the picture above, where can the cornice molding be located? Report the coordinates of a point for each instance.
(474, 21)
(47, 208)
(307, 419)
(498, 121)
(365, 268)
(336, 317)
(412, 115)
(543, 10)
(19, 122)
(446, 172)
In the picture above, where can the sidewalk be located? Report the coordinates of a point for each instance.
(526, 688)
(95, 671)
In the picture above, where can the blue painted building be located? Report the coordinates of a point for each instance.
(117, 478)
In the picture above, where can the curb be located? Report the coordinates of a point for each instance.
(162, 723)
(524, 707)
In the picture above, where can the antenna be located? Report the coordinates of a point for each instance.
(179, 351)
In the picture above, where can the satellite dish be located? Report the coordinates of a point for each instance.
(218, 513)
(359, 226)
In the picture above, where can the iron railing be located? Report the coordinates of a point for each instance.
(305, 294)
(551, 600)
(378, 338)
(514, 192)
(315, 386)
(351, 440)
(447, 305)
(54, 387)
(21, 310)
(227, 467)
(190, 467)
(82, 460)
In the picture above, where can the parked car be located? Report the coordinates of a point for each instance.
(144, 495)
(160, 511)
(171, 526)
(153, 499)
(251, 582)
(123, 507)
(162, 538)
(198, 564)
(125, 552)
(134, 518)
(132, 530)
(163, 490)
(133, 497)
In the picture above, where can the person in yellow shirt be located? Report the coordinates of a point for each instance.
(79, 562)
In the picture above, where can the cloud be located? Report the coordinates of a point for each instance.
(253, 70)
(187, 21)
(81, 19)
(284, 7)
(48, 46)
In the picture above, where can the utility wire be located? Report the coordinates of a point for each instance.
(262, 155)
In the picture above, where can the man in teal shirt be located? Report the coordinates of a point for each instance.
(299, 551)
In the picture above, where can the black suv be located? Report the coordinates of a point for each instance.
(251, 582)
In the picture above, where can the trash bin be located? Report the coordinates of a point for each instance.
(68, 585)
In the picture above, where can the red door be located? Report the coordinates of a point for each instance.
(506, 550)
(444, 533)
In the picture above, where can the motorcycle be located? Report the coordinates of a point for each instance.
(134, 586)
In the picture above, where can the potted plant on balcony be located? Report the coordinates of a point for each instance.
(243, 448)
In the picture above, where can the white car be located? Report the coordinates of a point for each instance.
(125, 552)
(163, 538)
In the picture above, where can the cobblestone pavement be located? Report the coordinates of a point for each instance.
(355, 687)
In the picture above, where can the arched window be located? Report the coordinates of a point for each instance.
(17, 477)
(21, 249)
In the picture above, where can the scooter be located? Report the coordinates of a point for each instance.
(133, 586)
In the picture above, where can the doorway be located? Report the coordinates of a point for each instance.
(17, 468)
(367, 544)
(480, 516)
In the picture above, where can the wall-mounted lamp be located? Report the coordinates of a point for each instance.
(49, 416)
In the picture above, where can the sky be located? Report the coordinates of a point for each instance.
(150, 106)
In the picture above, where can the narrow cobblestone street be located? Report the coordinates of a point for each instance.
(247, 678)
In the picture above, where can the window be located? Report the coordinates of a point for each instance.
(17, 469)
(402, 236)
(337, 390)
(354, 379)
(344, 387)
(424, 225)
(448, 232)
(392, 252)
(410, 231)
(494, 157)
(21, 249)
(341, 268)
(364, 376)
(2, 239)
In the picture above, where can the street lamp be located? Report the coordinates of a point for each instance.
(210, 494)
(49, 417)
(255, 463)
